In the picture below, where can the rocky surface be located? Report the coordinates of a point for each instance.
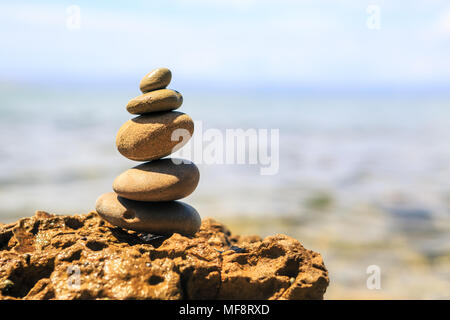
(83, 257)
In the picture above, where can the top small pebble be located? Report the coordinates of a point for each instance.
(156, 79)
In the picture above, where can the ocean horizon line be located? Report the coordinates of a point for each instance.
(221, 87)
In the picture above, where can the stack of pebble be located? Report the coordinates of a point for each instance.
(144, 197)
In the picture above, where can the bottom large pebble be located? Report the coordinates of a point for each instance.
(152, 217)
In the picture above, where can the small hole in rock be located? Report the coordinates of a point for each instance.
(73, 223)
(154, 279)
(96, 245)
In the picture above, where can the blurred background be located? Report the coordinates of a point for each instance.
(358, 89)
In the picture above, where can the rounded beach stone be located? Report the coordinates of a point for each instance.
(154, 101)
(155, 79)
(158, 180)
(151, 217)
(155, 135)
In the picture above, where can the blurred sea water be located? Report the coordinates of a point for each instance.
(363, 179)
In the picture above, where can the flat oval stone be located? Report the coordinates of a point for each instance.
(151, 217)
(155, 79)
(158, 180)
(154, 101)
(149, 137)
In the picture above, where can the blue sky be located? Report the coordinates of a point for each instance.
(230, 43)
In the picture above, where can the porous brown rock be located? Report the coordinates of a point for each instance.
(83, 257)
